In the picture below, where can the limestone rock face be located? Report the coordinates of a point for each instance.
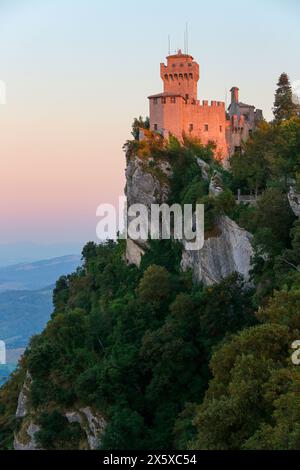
(205, 168)
(23, 397)
(27, 441)
(294, 200)
(226, 252)
(143, 182)
(92, 423)
(146, 183)
(222, 255)
(215, 186)
(134, 252)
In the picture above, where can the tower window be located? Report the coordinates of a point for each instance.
(163, 100)
(221, 129)
(173, 99)
(186, 96)
(155, 101)
(206, 127)
(155, 127)
(191, 127)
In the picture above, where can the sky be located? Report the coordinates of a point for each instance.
(78, 71)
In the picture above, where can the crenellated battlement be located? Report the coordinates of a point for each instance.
(218, 104)
(178, 111)
(180, 75)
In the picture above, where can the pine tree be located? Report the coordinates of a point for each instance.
(284, 108)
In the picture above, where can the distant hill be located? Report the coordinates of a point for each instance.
(36, 275)
(23, 314)
(27, 252)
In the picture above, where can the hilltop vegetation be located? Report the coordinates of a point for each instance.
(170, 363)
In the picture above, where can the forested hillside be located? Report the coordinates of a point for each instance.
(166, 361)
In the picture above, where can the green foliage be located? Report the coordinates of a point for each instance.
(139, 123)
(166, 253)
(139, 335)
(57, 433)
(9, 394)
(170, 363)
(187, 184)
(284, 108)
(251, 402)
(270, 158)
(126, 430)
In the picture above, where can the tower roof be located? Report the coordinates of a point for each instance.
(180, 55)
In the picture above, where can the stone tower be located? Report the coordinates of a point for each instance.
(178, 111)
(180, 75)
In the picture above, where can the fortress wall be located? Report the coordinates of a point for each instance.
(209, 124)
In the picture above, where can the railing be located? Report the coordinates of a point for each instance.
(247, 198)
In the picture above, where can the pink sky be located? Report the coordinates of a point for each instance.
(78, 72)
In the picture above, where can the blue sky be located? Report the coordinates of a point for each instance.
(78, 72)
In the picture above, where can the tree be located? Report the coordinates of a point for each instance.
(155, 285)
(139, 123)
(250, 168)
(236, 404)
(284, 108)
(274, 220)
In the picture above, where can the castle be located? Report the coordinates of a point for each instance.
(178, 111)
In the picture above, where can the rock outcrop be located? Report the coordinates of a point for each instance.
(223, 254)
(147, 182)
(24, 438)
(92, 423)
(229, 250)
(294, 200)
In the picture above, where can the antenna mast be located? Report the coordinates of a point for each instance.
(169, 45)
(187, 37)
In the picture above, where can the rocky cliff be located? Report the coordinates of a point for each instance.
(294, 200)
(229, 250)
(91, 423)
(145, 184)
(221, 255)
